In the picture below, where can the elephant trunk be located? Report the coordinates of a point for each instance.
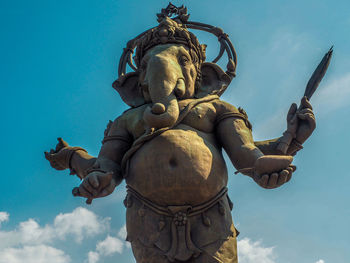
(170, 112)
(165, 85)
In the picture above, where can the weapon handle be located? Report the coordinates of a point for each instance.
(311, 87)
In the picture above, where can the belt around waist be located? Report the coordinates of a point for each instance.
(173, 209)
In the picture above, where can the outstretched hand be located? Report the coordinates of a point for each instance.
(271, 171)
(301, 122)
(95, 185)
(57, 156)
(274, 180)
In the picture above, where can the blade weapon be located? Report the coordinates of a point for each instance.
(311, 87)
(318, 74)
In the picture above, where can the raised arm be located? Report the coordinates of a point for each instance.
(300, 125)
(234, 133)
(102, 174)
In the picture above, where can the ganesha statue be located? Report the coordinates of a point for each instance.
(168, 146)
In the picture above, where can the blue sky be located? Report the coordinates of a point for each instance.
(58, 60)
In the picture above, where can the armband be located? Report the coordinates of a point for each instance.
(238, 115)
(115, 137)
(116, 170)
(71, 151)
(90, 170)
(69, 155)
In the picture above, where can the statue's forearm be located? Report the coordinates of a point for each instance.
(80, 162)
(106, 165)
(271, 147)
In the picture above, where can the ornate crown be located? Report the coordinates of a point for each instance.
(175, 30)
(169, 31)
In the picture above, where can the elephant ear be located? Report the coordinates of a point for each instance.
(214, 80)
(129, 89)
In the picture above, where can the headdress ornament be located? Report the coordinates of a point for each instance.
(175, 30)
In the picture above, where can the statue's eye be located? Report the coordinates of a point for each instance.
(184, 60)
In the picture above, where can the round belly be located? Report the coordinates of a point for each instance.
(178, 167)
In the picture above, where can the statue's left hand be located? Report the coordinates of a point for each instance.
(274, 180)
(301, 122)
(271, 171)
(95, 185)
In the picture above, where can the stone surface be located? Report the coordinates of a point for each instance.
(168, 146)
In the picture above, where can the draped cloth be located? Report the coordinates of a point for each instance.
(179, 232)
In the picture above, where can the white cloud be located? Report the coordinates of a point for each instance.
(122, 232)
(79, 224)
(33, 254)
(334, 95)
(93, 257)
(34, 243)
(27, 233)
(251, 252)
(109, 246)
(320, 261)
(4, 216)
(122, 235)
(31, 242)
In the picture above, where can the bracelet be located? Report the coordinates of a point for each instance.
(115, 171)
(297, 144)
(69, 156)
(285, 141)
(294, 147)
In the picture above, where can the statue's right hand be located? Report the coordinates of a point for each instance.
(58, 156)
(95, 185)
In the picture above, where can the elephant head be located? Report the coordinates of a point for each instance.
(168, 73)
(170, 67)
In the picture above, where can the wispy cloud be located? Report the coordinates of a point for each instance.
(330, 98)
(33, 254)
(271, 127)
(109, 246)
(4, 216)
(335, 95)
(251, 252)
(320, 261)
(287, 43)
